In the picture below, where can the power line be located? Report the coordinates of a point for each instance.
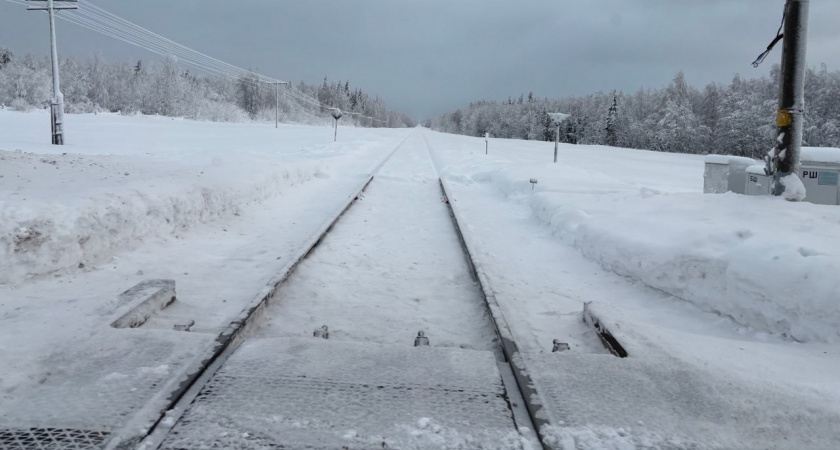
(100, 14)
(98, 19)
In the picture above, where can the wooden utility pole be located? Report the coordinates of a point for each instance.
(57, 101)
(791, 94)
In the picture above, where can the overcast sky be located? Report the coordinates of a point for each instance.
(426, 57)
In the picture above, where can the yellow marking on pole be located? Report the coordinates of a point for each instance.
(783, 118)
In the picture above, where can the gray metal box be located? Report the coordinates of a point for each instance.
(757, 182)
(820, 171)
(820, 183)
(725, 173)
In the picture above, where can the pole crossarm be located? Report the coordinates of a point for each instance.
(54, 7)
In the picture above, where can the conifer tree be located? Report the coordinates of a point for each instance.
(5, 56)
(610, 134)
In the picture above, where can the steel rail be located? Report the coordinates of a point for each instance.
(233, 334)
(509, 347)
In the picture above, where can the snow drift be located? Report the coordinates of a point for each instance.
(767, 263)
(122, 180)
(38, 237)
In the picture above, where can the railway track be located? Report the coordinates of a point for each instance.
(328, 355)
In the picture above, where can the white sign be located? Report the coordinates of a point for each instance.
(558, 118)
(336, 113)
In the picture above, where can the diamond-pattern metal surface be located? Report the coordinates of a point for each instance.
(113, 379)
(313, 394)
(662, 402)
(51, 439)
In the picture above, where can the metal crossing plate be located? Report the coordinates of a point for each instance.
(320, 394)
(113, 383)
(655, 401)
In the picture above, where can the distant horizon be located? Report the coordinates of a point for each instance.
(430, 57)
(515, 98)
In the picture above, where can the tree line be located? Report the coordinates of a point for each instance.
(738, 118)
(165, 88)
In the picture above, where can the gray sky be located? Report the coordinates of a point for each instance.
(426, 57)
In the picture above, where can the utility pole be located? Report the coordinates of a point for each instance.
(57, 101)
(791, 94)
(277, 101)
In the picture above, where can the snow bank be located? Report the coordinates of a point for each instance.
(766, 263)
(42, 234)
(123, 180)
(794, 189)
(769, 264)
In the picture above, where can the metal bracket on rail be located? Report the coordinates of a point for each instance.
(421, 340)
(558, 346)
(607, 338)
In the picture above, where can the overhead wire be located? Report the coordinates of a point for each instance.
(94, 23)
(97, 19)
(139, 36)
(779, 37)
(101, 14)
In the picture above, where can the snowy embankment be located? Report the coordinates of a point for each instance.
(123, 180)
(769, 264)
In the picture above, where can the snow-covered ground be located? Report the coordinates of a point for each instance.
(392, 266)
(768, 264)
(122, 180)
(712, 363)
(220, 235)
(715, 296)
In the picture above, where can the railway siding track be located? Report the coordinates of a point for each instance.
(510, 349)
(540, 406)
(509, 346)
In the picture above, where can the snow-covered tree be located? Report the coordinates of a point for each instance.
(737, 118)
(24, 84)
(166, 88)
(5, 56)
(611, 125)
